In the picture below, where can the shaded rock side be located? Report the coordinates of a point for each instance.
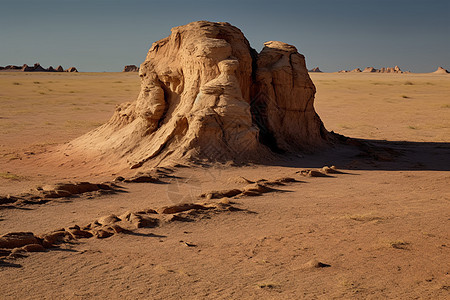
(283, 100)
(207, 95)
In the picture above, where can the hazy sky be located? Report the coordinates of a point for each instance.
(105, 35)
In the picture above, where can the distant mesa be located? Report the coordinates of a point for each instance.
(395, 69)
(37, 68)
(131, 68)
(315, 70)
(357, 70)
(441, 70)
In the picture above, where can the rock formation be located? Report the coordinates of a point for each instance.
(206, 95)
(369, 70)
(71, 70)
(395, 69)
(36, 68)
(131, 68)
(316, 69)
(11, 67)
(357, 70)
(441, 70)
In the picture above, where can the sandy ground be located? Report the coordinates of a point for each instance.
(383, 228)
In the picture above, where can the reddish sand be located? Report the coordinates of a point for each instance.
(383, 228)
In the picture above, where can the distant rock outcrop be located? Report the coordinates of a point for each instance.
(11, 68)
(357, 70)
(369, 70)
(441, 70)
(395, 69)
(36, 68)
(315, 70)
(71, 70)
(131, 68)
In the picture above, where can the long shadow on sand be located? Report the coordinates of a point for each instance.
(5, 264)
(364, 154)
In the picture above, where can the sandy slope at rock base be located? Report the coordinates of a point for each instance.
(383, 228)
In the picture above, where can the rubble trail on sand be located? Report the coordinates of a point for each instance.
(15, 244)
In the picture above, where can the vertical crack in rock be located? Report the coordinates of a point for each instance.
(207, 95)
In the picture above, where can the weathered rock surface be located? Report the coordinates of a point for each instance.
(207, 95)
(131, 68)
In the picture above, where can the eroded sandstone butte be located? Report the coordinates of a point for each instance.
(207, 95)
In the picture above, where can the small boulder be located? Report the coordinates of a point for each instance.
(79, 233)
(108, 220)
(55, 237)
(331, 170)
(181, 207)
(258, 188)
(102, 234)
(316, 264)
(143, 178)
(17, 239)
(313, 173)
(33, 248)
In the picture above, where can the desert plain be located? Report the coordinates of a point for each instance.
(379, 229)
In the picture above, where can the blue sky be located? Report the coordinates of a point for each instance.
(105, 35)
